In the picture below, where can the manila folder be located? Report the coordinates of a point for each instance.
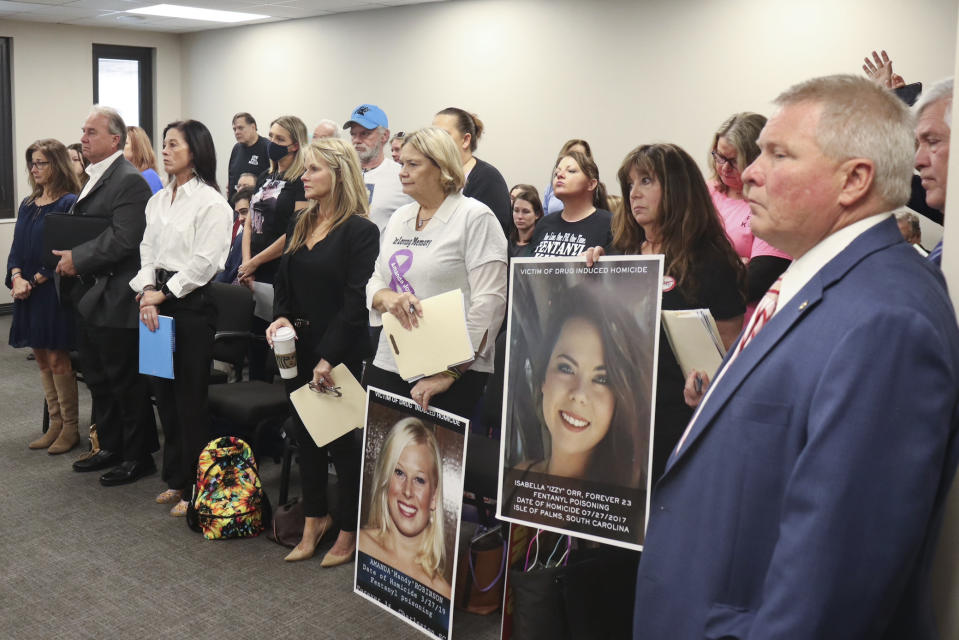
(440, 341)
(694, 339)
(326, 416)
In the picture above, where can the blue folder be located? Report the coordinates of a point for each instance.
(156, 349)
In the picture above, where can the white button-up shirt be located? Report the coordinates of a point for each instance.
(188, 231)
(96, 171)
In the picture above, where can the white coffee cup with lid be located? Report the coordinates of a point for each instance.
(284, 347)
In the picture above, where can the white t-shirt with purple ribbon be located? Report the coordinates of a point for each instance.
(463, 235)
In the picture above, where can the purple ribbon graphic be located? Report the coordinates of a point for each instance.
(398, 283)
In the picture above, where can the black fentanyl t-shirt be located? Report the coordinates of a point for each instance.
(556, 237)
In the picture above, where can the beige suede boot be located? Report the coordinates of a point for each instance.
(53, 408)
(66, 384)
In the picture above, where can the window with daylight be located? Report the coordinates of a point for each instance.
(123, 79)
(6, 132)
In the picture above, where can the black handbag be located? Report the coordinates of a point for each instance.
(590, 597)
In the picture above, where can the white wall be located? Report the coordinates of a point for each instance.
(616, 72)
(53, 88)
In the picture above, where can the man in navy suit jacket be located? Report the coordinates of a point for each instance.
(805, 498)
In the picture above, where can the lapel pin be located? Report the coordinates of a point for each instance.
(803, 305)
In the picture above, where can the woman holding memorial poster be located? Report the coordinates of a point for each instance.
(670, 212)
(320, 294)
(405, 528)
(440, 242)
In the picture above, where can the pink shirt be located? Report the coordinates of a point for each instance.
(735, 215)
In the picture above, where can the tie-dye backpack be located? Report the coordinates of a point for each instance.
(228, 500)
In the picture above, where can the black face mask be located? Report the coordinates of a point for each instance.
(276, 152)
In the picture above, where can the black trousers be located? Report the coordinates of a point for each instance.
(183, 402)
(460, 399)
(344, 452)
(110, 360)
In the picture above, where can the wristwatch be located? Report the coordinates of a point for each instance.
(165, 290)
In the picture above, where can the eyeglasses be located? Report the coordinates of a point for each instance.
(322, 388)
(721, 159)
(40, 164)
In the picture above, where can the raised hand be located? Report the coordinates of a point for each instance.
(880, 70)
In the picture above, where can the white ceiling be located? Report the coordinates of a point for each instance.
(112, 13)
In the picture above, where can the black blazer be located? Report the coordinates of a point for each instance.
(335, 273)
(108, 262)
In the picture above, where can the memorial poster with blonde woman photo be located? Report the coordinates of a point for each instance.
(411, 495)
(578, 404)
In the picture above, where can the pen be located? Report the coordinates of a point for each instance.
(699, 384)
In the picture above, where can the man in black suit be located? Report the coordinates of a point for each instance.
(95, 276)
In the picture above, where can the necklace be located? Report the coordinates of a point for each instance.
(422, 223)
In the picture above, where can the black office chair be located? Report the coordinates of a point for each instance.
(252, 410)
(231, 342)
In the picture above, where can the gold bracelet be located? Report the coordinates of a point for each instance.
(453, 373)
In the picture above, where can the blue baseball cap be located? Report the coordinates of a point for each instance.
(368, 116)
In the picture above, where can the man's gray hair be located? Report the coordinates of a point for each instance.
(334, 127)
(115, 124)
(861, 119)
(942, 90)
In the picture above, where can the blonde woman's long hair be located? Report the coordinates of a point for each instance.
(347, 191)
(431, 554)
(297, 130)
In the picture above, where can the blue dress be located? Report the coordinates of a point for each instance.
(152, 179)
(40, 321)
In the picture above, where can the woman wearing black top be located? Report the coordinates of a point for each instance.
(527, 211)
(585, 219)
(670, 212)
(483, 181)
(320, 293)
(279, 192)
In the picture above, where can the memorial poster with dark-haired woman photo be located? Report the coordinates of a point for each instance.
(411, 495)
(578, 405)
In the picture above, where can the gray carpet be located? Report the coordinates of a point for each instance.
(78, 560)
